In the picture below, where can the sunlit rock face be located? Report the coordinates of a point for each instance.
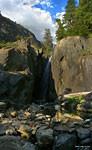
(72, 64)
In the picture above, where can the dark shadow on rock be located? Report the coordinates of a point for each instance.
(40, 82)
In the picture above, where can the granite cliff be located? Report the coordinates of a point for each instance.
(72, 65)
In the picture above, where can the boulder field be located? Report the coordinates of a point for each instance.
(71, 65)
(48, 126)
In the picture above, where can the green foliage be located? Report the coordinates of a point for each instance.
(18, 37)
(83, 19)
(7, 44)
(69, 14)
(77, 20)
(90, 35)
(77, 100)
(47, 45)
(60, 33)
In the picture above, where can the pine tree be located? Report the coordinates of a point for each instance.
(48, 40)
(83, 19)
(77, 20)
(60, 33)
(69, 15)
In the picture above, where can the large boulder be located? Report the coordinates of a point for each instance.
(18, 73)
(72, 64)
(64, 142)
(10, 143)
(83, 133)
(16, 88)
(44, 136)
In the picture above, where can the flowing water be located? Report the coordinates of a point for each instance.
(45, 81)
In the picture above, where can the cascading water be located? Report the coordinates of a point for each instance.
(44, 82)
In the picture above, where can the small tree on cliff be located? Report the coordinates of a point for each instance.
(48, 40)
(60, 33)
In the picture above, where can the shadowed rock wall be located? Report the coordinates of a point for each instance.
(18, 70)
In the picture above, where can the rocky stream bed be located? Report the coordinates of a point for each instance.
(48, 126)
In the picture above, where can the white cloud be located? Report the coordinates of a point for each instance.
(60, 15)
(35, 19)
(47, 3)
(31, 2)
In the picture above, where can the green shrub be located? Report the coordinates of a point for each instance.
(77, 100)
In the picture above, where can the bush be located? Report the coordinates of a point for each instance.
(77, 100)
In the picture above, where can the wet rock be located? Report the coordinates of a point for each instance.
(83, 133)
(10, 143)
(29, 146)
(86, 141)
(64, 142)
(44, 136)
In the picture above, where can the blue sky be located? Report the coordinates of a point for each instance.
(54, 7)
(35, 15)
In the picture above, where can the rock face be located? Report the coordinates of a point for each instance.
(72, 64)
(18, 73)
(11, 31)
(19, 57)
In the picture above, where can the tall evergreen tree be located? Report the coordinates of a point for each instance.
(77, 20)
(69, 15)
(83, 18)
(48, 40)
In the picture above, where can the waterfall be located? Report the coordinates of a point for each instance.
(44, 81)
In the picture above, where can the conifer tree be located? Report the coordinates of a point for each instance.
(48, 45)
(77, 20)
(69, 15)
(60, 33)
(83, 19)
